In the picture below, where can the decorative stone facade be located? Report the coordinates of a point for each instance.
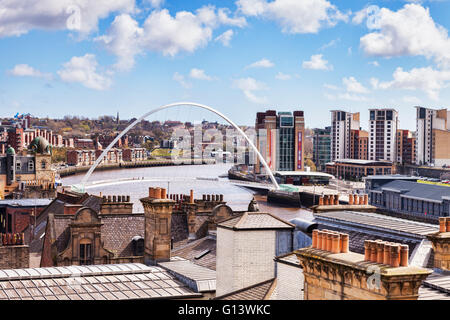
(441, 244)
(346, 276)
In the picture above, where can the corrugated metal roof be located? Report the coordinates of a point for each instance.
(99, 282)
(435, 287)
(410, 189)
(380, 222)
(256, 220)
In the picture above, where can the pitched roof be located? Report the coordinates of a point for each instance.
(97, 282)
(198, 278)
(416, 190)
(117, 231)
(259, 291)
(255, 220)
(289, 258)
(201, 252)
(435, 287)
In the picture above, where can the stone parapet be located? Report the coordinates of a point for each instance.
(347, 276)
(441, 244)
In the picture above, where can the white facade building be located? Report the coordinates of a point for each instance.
(342, 123)
(383, 124)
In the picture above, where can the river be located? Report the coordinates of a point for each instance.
(181, 179)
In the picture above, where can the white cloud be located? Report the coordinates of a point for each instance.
(411, 99)
(24, 70)
(200, 74)
(84, 70)
(155, 3)
(374, 63)
(306, 16)
(180, 79)
(330, 86)
(224, 18)
(225, 37)
(20, 16)
(263, 63)
(248, 86)
(353, 86)
(330, 44)
(123, 40)
(351, 97)
(317, 63)
(164, 33)
(427, 79)
(283, 76)
(410, 31)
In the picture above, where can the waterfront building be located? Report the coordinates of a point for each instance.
(87, 157)
(342, 124)
(322, 147)
(432, 136)
(406, 147)
(412, 199)
(280, 139)
(383, 124)
(17, 214)
(354, 169)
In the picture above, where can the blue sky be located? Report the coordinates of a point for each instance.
(63, 57)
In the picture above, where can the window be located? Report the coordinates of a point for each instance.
(43, 164)
(85, 252)
(30, 165)
(18, 166)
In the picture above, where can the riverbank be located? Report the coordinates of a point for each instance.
(69, 171)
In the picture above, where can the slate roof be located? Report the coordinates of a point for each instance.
(379, 222)
(99, 282)
(25, 202)
(117, 231)
(416, 190)
(255, 220)
(259, 291)
(198, 278)
(201, 252)
(435, 287)
(289, 258)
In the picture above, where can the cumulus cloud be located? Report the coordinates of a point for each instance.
(24, 70)
(410, 31)
(161, 32)
(20, 16)
(225, 37)
(200, 74)
(84, 71)
(155, 3)
(317, 63)
(374, 63)
(283, 76)
(306, 16)
(263, 63)
(248, 86)
(353, 86)
(181, 80)
(428, 80)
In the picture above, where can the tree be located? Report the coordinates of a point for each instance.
(310, 163)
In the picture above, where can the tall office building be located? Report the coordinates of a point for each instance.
(322, 147)
(342, 123)
(383, 125)
(432, 136)
(280, 140)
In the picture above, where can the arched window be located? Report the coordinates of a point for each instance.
(30, 165)
(85, 252)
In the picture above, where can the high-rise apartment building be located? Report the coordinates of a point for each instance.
(432, 136)
(280, 140)
(406, 147)
(342, 124)
(359, 144)
(383, 125)
(322, 147)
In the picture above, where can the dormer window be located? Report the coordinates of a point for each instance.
(85, 252)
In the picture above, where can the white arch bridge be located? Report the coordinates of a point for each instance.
(81, 187)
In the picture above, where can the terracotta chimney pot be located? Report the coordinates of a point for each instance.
(314, 238)
(442, 224)
(367, 249)
(404, 255)
(366, 199)
(191, 197)
(335, 244)
(447, 225)
(395, 255)
(329, 241)
(373, 251)
(387, 253)
(344, 243)
(163, 193)
(336, 200)
(380, 252)
(157, 193)
(320, 201)
(350, 199)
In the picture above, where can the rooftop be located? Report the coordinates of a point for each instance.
(96, 282)
(26, 202)
(255, 221)
(362, 162)
(418, 191)
(304, 173)
(259, 291)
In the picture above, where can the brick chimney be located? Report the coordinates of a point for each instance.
(191, 208)
(158, 215)
(116, 205)
(441, 244)
(334, 273)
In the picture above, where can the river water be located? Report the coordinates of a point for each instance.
(181, 179)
